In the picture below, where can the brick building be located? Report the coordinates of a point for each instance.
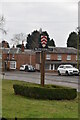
(56, 57)
(13, 58)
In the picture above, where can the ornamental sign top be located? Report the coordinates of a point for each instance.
(43, 41)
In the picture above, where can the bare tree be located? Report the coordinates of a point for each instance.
(18, 38)
(2, 22)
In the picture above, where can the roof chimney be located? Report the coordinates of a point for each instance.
(4, 44)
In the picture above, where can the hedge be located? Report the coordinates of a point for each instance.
(51, 93)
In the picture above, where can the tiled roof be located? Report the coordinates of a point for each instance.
(68, 50)
(17, 51)
(57, 50)
(28, 51)
(11, 50)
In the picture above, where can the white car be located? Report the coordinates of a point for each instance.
(67, 70)
(22, 67)
(28, 68)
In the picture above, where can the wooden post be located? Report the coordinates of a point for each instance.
(42, 67)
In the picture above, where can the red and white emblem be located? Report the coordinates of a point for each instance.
(43, 40)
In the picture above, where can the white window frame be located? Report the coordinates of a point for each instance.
(68, 57)
(48, 56)
(59, 57)
(53, 67)
(12, 64)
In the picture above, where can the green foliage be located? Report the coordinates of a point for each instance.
(19, 45)
(47, 92)
(51, 43)
(33, 40)
(72, 40)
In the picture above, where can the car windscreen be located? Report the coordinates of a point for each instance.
(22, 66)
(61, 66)
(30, 66)
(69, 66)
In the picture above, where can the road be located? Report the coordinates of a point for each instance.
(50, 78)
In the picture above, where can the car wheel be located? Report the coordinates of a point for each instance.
(78, 74)
(67, 73)
(59, 73)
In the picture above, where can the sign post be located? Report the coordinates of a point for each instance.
(42, 67)
(43, 44)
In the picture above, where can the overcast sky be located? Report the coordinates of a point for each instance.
(58, 17)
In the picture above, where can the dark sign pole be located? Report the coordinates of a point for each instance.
(42, 67)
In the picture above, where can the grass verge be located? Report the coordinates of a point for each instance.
(21, 107)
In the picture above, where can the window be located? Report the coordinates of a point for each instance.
(68, 57)
(12, 64)
(48, 56)
(59, 57)
(49, 66)
(52, 67)
(61, 66)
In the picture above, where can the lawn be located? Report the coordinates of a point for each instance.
(22, 107)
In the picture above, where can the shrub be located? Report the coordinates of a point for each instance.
(47, 92)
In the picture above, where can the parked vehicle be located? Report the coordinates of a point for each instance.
(22, 67)
(67, 70)
(28, 68)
